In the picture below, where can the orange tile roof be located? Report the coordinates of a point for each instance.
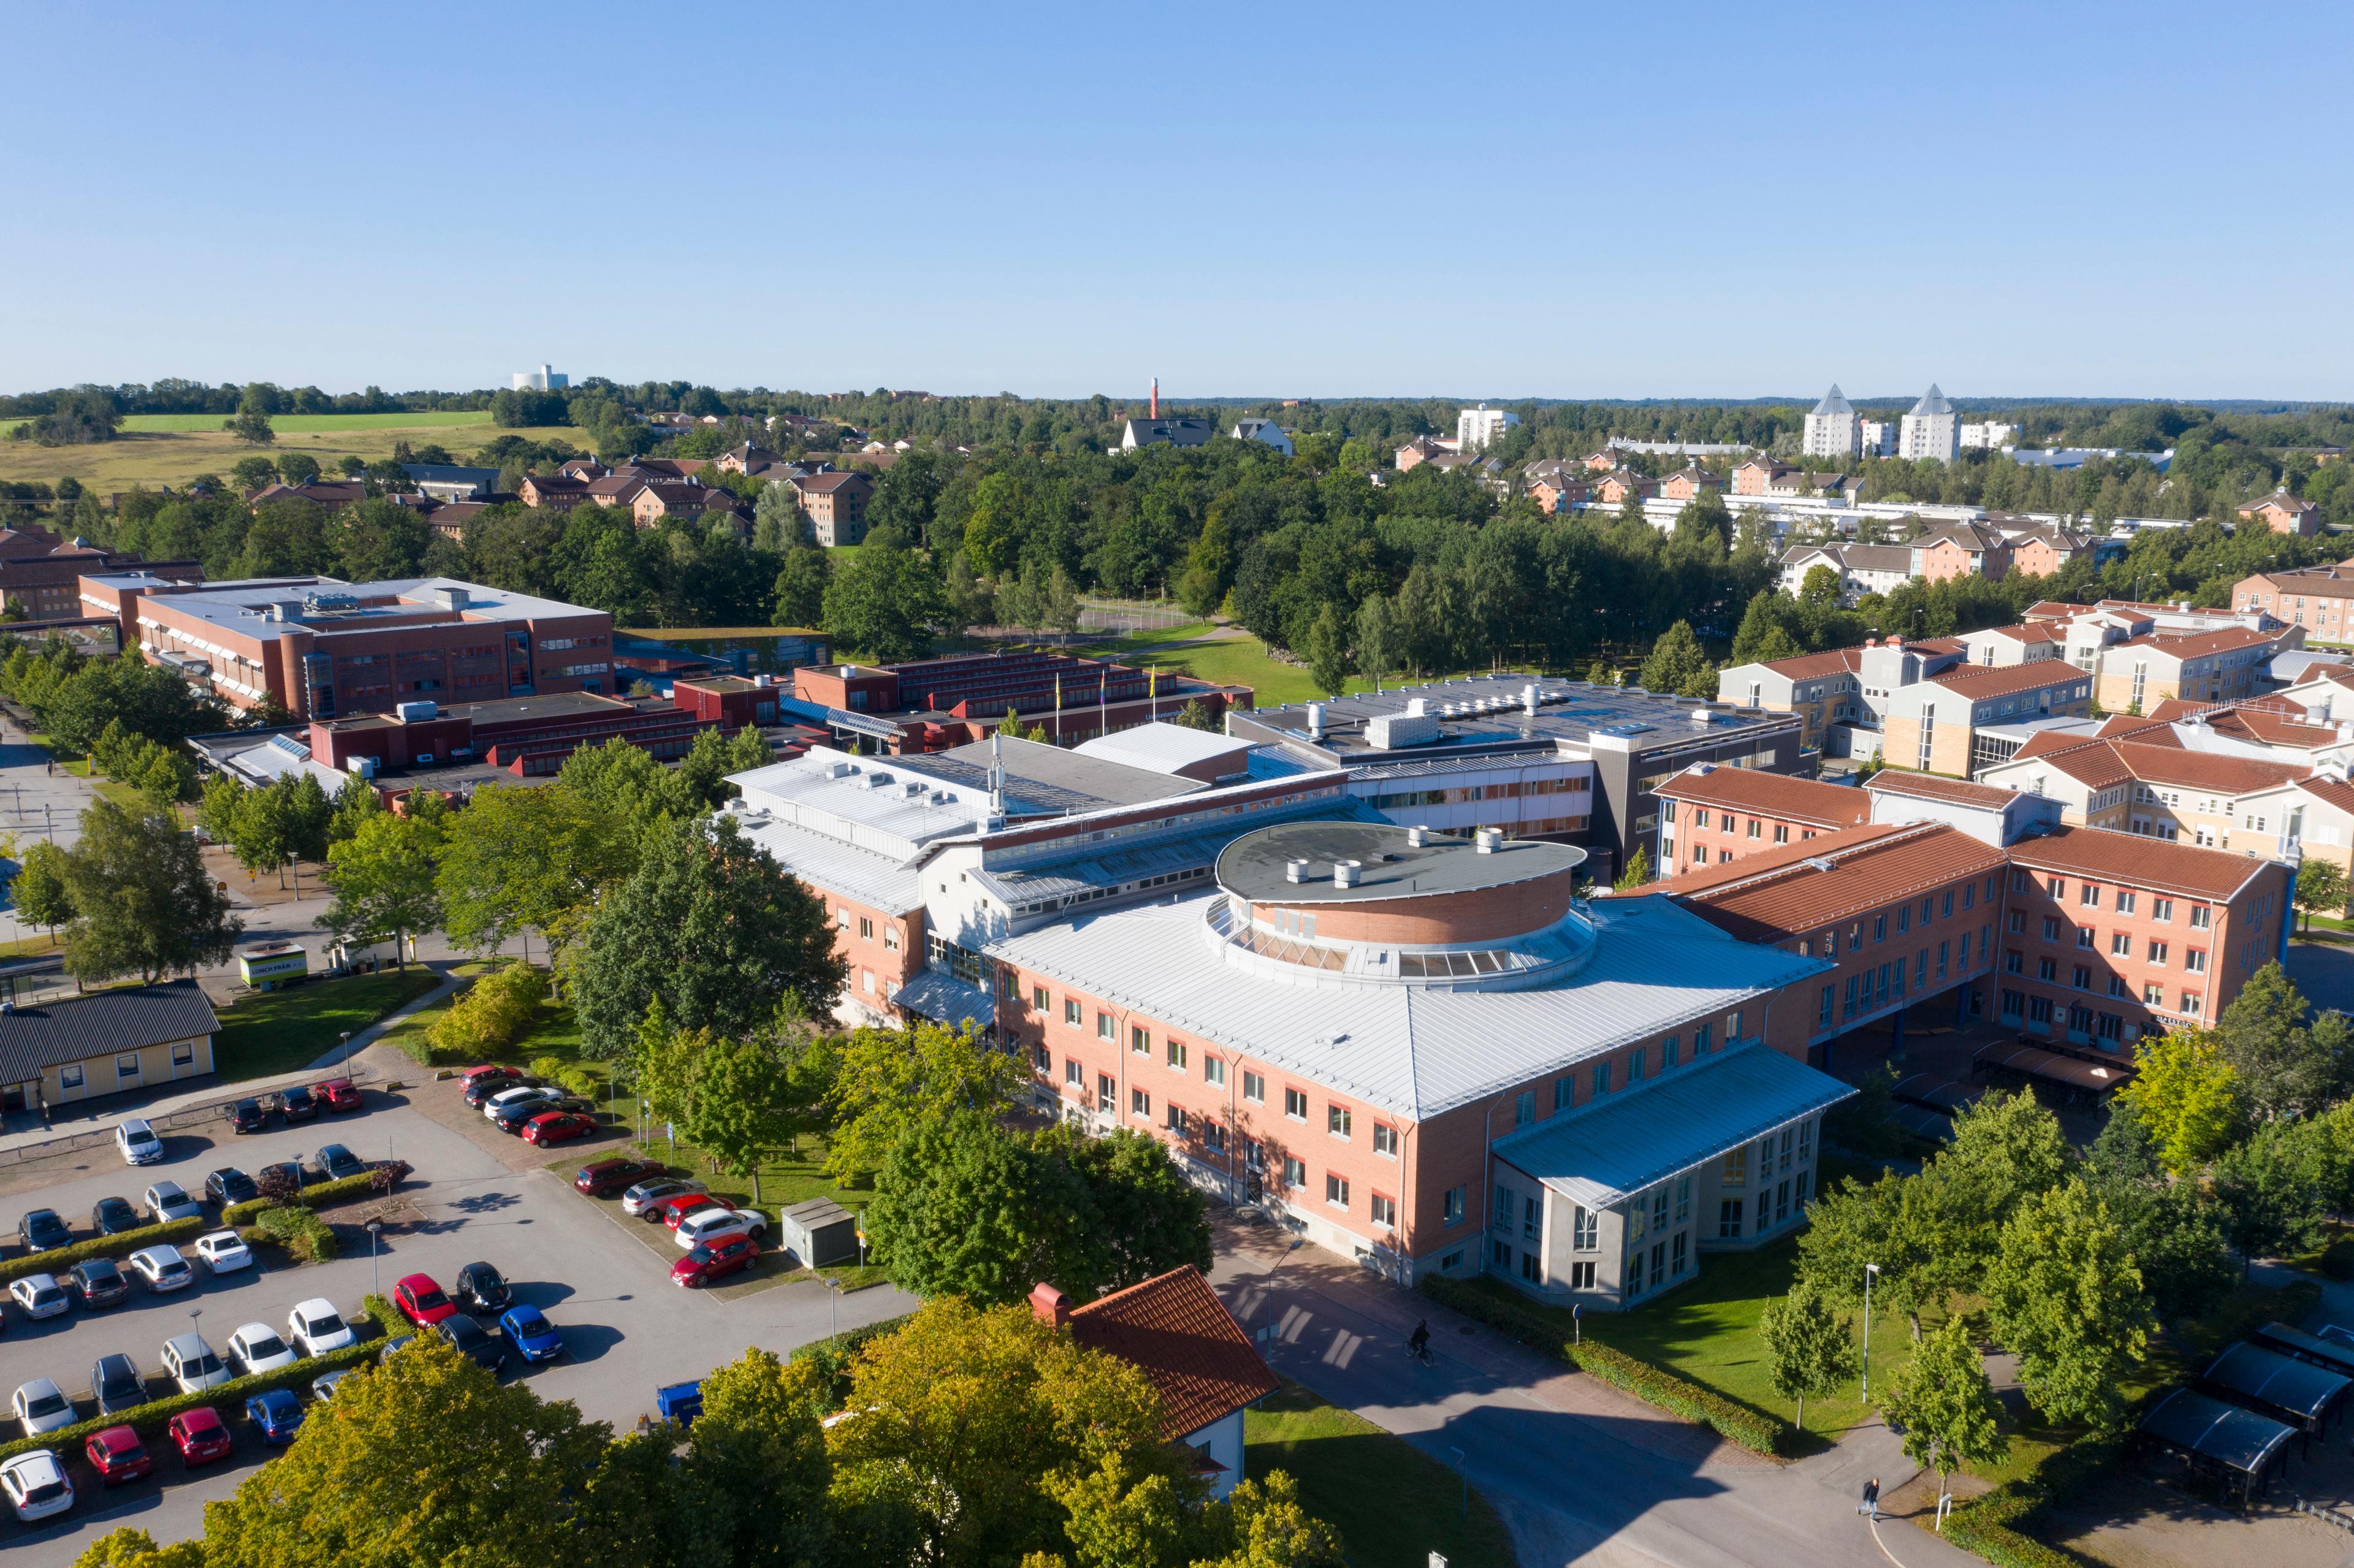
(2272, 727)
(1833, 879)
(2205, 769)
(2199, 644)
(1814, 666)
(1777, 795)
(2149, 730)
(1936, 787)
(2136, 861)
(1176, 1331)
(2096, 764)
(2023, 632)
(2330, 791)
(1976, 681)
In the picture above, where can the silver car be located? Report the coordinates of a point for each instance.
(192, 1364)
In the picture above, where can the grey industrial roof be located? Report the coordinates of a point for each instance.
(1254, 865)
(2196, 1424)
(1161, 747)
(1620, 1144)
(1414, 1050)
(450, 473)
(1570, 711)
(2279, 1380)
(242, 607)
(875, 880)
(948, 999)
(75, 1028)
(1044, 780)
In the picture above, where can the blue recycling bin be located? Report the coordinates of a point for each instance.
(681, 1401)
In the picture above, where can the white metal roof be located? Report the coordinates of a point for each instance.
(830, 866)
(1163, 747)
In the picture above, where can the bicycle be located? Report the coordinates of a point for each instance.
(1421, 1352)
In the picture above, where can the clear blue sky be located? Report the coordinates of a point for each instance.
(1576, 201)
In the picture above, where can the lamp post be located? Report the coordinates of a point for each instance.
(1869, 1270)
(374, 1227)
(833, 1310)
(347, 1038)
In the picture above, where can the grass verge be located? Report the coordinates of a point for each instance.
(1392, 1504)
(286, 1031)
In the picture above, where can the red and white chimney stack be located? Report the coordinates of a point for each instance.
(1156, 397)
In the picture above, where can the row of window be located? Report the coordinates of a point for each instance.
(1868, 988)
(1904, 917)
(2089, 895)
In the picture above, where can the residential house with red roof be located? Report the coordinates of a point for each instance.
(2318, 598)
(2284, 513)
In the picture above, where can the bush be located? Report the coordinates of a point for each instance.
(2338, 1259)
(833, 1356)
(310, 1238)
(490, 1014)
(1753, 1430)
(317, 1195)
(58, 1259)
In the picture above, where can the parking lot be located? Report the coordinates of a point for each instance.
(477, 1196)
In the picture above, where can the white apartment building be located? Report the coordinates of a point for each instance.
(1833, 429)
(1930, 430)
(1993, 435)
(1876, 438)
(1476, 429)
(546, 379)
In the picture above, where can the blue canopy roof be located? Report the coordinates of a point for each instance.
(2282, 1381)
(2196, 1424)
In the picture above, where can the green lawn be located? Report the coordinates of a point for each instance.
(282, 1031)
(1242, 660)
(176, 423)
(1392, 1504)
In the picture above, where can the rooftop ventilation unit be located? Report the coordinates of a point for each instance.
(1387, 732)
(1417, 707)
(878, 780)
(1417, 836)
(1345, 873)
(1295, 871)
(1488, 841)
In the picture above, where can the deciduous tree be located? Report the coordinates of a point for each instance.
(383, 875)
(144, 904)
(1808, 1351)
(1945, 1406)
(2321, 889)
(2065, 1294)
(2188, 1095)
(886, 1079)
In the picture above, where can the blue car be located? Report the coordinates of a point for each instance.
(529, 1331)
(277, 1416)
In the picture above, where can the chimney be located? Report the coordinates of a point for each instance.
(1316, 721)
(1156, 397)
(1050, 1306)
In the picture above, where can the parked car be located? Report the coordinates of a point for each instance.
(138, 1143)
(224, 1251)
(316, 1328)
(473, 1078)
(529, 1093)
(35, 1486)
(603, 1178)
(557, 1126)
(117, 1455)
(478, 1289)
(714, 1260)
(162, 1268)
(43, 1229)
(276, 1414)
(116, 1384)
(481, 1091)
(338, 1095)
(421, 1302)
(168, 1201)
(394, 1346)
(41, 1406)
(193, 1364)
(642, 1199)
(535, 1339)
(39, 1295)
(298, 1104)
(256, 1348)
(718, 1224)
(470, 1339)
(230, 1185)
(672, 1210)
(99, 1282)
(514, 1116)
(112, 1216)
(201, 1435)
(324, 1386)
(336, 1162)
(247, 1115)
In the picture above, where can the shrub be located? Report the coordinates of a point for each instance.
(310, 1238)
(1753, 1430)
(318, 1194)
(490, 1014)
(547, 1068)
(58, 1259)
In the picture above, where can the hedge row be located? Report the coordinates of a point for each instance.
(301, 1232)
(1753, 1430)
(123, 1243)
(316, 1195)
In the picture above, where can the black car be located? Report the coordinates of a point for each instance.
(471, 1339)
(247, 1115)
(230, 1185)
(43, 1229)
(476, 1092)
(98, 1283)
(117, 1386)
(510, 1118)
(289, 1171)
(112, 1216)
(298, 1104)
(336, 1162)
(480, 1289)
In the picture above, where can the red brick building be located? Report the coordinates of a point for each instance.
(931, 705)
(1714, 816)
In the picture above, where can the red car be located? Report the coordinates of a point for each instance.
(339, 1094)
(473, 1075)
(421, 1302)
(557, 1126)
(706, 1264)
(679, 1205)
(116, 1455)
(201, 1435)
(603, 1178)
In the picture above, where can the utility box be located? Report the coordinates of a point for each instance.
(820, 1233)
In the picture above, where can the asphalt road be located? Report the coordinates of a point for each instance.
(627, 1328)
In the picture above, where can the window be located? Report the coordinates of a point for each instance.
(2161, 910)
(1104, 1029)
(1336, 1191)
(2018, 924)
(1295, 1105)
(1452, 1206)
(1700, 1035)
(1659, 1207)
(1071, 1014)
(2194, 960)
(1679, 1267)
(1213, 1137)
(1903, 919)
(1565, 1093)
(1532, 1267)
(2050, 929)
(69, 1076)
(1177, 1054)
(1637, 1220)
(1382, 1210)
(1601, 1078)
(1753, 827)
(2084, 936)
(841, 918)
(1500, 1255)
(1781, 833)
(1823, 1016)
(1042, 1058)
(1385, 1139)
(2153, 994)
(1213, 1070)
(1295, 1174)
(1177, 1120)
(1255, 1089)
(1635, 1066)
(2125, 902)
(2158, 952)
(1728, 1219)
(1581, 1277)
(1107, 1092)
(1139, 1102)
(1139, 1040)
(2121, 944)
(1736, 1167)
(1532, 1219)
(1584, 1230)
(1502, 1218)
(1667, 1053)
(2190, 1004)
(2198, 916)
(1806, 1141)
(2047, 968)
(866, 980)
(1337, 1120)
(1038, 1002)
(1880, 929)
(2081, 978)
(1075, 1072)
(2089, 895)
(2014, 962)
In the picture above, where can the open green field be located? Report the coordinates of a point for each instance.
(1242, 660)
(1392, 1504)
(284, 1031)
(151, 423)
(158, 457)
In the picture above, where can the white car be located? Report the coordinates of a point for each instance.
(37, 1485)
(224, 1251)
(138, 1142)
(170, 1201)
(40, 1294)
(316, 1328)
(191, 1363)
(162, 1268)
(324, 1386)
(646, 1195)
(532, 1095)
(42, 1407)
(256, 1348)
(707, 1225)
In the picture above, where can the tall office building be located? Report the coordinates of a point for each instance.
(1932, 430)
(1834, 429)
(1477, 429)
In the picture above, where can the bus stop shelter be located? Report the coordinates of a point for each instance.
(2331, 1355)
(2240, 1448)
(2296, 1393)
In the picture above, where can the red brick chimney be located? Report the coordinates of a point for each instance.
(1050, 1306)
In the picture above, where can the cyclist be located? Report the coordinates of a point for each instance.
(1419, 1343)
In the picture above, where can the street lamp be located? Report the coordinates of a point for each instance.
(374, 1227)
(1869, 1270)
(832, 1309)
(347, 1038)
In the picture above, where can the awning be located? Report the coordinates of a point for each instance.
(861, 724)
(945, 998)
(2334, 1354)
(1687, 1115)
(2206, 1428)
(2268, 1377)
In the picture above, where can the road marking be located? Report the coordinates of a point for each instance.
(1883, 1545)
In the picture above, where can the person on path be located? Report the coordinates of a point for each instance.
(1870, 1504)
(1419, 1340)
